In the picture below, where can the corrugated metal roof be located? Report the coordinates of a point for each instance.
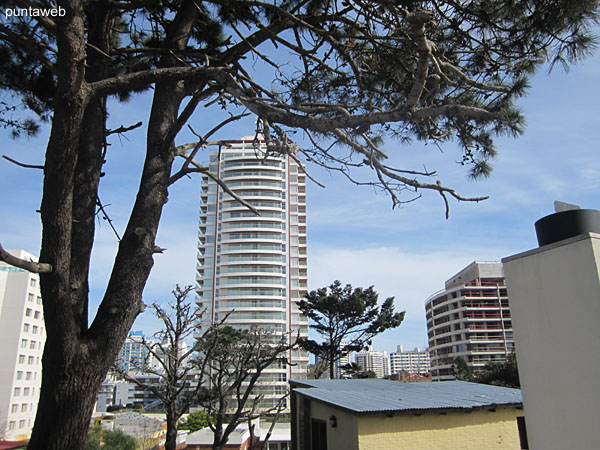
(372, 395)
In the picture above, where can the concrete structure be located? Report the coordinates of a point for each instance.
(555, 299)
(374, 414)
(375, 361)
(410, 361)
(22, 338)
(469, 319)
(254, 267)
(134, 355)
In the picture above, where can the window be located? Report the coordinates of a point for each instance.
(21, 359)
(30, 360)
(30, 297)
(32, 345)
(21, 423)
(13, 408)
(34, 329)
(19, 375)
(23, 407)
(39, 300)
(318, 434)
(25, 327)
(522, 432)
(37, 314)
(17, 392)
(32, 282)
(23, 343)
(11, 425)
(26, 391)
(28, 312)
(27, 375)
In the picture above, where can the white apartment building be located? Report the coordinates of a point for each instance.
(469, 319)
(134, 354)
(22, 338)
(410, 361)
(375, 361)
(254, 267)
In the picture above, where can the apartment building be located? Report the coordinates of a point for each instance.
(375, 361)
(469, 318)
(253, 267)
(23, 336)
(134, 354)
(410, 361)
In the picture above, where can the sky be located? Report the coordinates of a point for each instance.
(353, 233)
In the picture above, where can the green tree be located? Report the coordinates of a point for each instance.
(355, 370)
(195, 421)
(346, 319)
(501, 374)
(99, 438)
(347, 73)
(461, 370)
(117, 440)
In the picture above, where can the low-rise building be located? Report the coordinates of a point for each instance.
(372, 414)
(239, 439)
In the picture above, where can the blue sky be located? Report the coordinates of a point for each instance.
(353, 234)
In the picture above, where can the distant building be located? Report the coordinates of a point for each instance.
(410, 361)
(380, 414)
(134, 355)
(469, 319)
(22, 339)
(340, 363)
(375, 361)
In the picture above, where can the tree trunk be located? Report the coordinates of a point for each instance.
(171, 440)
(70, 382)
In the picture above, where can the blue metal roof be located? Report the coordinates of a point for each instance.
(373, 395)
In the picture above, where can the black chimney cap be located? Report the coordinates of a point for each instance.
(566, 224)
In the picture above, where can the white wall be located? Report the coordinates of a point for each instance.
(555, 303)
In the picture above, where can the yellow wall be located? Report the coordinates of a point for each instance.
(345, 435)
(478, 430)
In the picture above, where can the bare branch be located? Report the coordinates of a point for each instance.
(20, 164)
(123, 129)
(28, 265)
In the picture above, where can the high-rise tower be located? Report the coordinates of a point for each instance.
(253, 267)
(469, 319)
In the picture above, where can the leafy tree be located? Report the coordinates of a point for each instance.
(366, 374)
(346, 319)
(174, 378)
(350, 74)
(195, 421)
(501, 374)
(461, 370)
(355, 370)
(99, 438)
(117, 440)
